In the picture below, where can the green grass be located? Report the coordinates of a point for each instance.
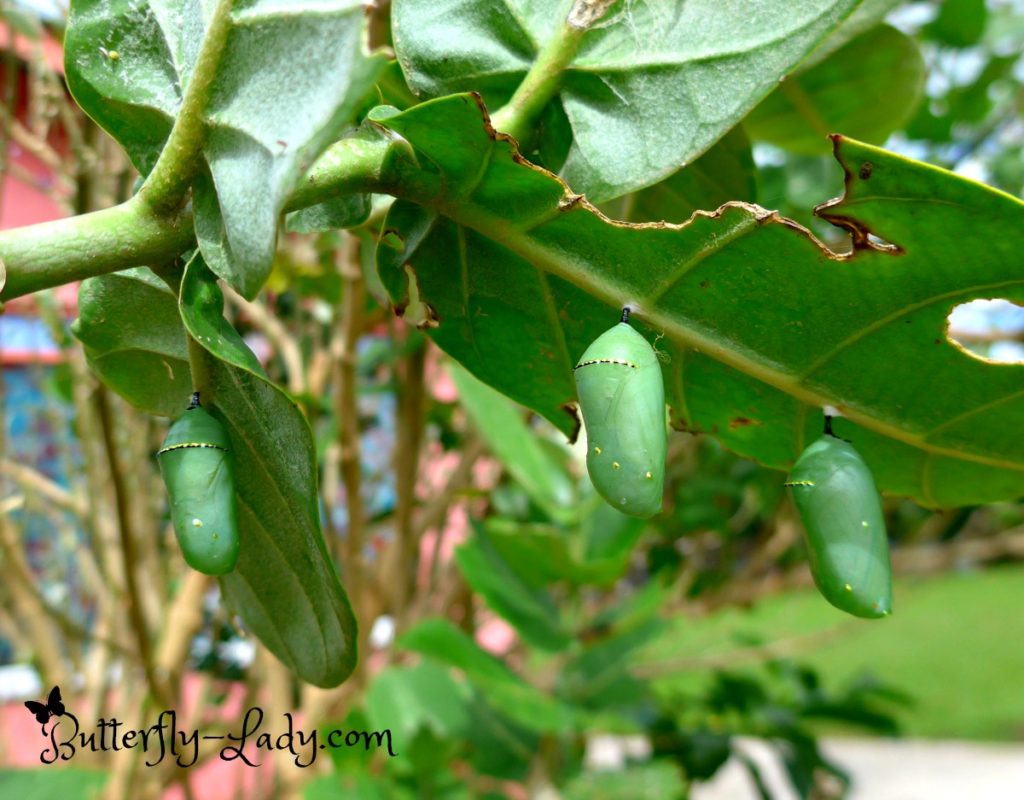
(955, 643)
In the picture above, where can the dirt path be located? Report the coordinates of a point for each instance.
(890, 770)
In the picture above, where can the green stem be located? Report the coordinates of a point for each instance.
(54, 253)
(518, 116)
(167, 184)
(197, 365)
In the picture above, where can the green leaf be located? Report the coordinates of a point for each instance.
(529, 609)
(960, 23)
(407, 699)
(598, 676)
(506, 691)
(135, 95)
(725, 172)
(652, 86)
(509, 438)
(762, 325)
(596, 552)
(537, 554)
(969, 103)
(340, 212)
(291, 76)
(608, 536)
(129, 324)
(867, 15)
(866, 89)
(48, 783)
(285, 586)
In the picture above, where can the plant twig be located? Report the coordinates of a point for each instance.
(435, 512)
(54, 253)
(346, 411)
(140, 628)
(406, 463)
(179, 161)
(32, 610)
(184, 619)
(35, 482)
(277, 334)
(518, 116)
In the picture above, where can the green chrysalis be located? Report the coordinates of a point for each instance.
(622, 398)
(844, 528)
(198, 472)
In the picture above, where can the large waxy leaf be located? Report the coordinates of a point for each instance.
(290, 76)
(841, 94)
(285, 586)
(131, 330)
(652, 86)
(762, 325)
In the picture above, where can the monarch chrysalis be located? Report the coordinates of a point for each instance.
(198, 473)
(622, 398)
(844, 528)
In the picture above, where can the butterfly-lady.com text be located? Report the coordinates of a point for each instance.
(165, 739)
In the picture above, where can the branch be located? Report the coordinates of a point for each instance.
(35, 482)
(180, 159)
(346, 411)
(277, 334)
(65, 250)
(54, 253)
(517, 117)
(404, 553)
(140, 628)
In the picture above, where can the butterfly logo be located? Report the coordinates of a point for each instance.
(53, 707)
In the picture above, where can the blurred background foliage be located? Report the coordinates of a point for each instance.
(543, 619)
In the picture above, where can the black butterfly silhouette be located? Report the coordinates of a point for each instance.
(53, 707)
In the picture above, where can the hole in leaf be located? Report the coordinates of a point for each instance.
(992, 330)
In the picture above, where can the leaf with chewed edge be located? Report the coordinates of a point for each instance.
(761, 326)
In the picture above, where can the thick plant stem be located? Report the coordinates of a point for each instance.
(65, 250)
(518, 116)
(132, 234)
(167, 184)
